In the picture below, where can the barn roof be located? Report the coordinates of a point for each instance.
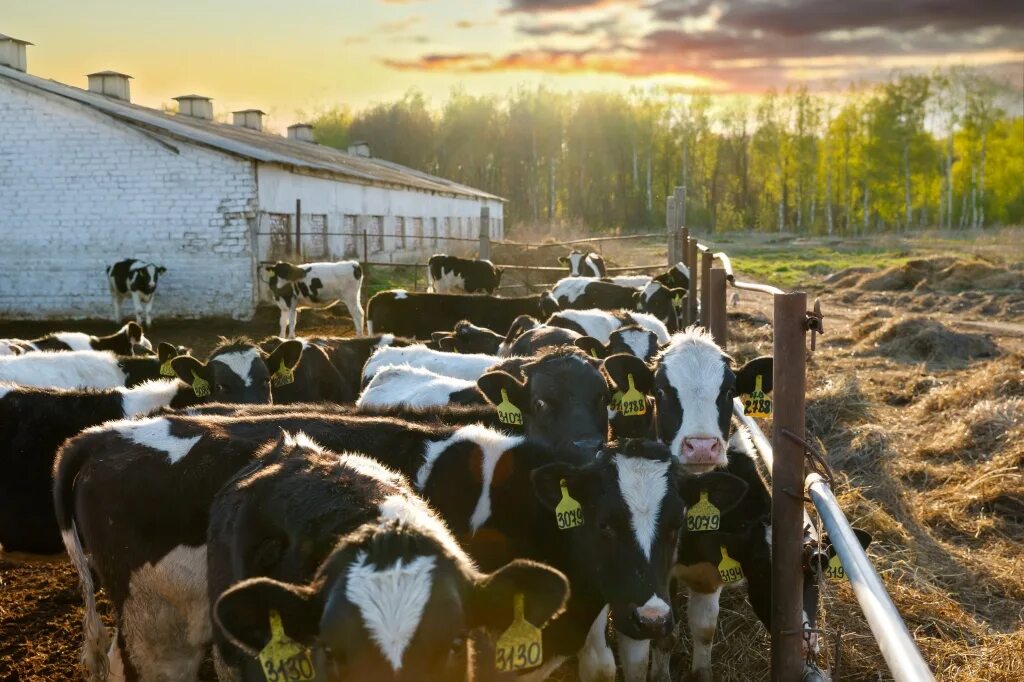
(252, 144)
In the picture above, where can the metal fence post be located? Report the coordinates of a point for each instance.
(485, 233)
(693, 264)
(705, 289)
(789, 385)
(717, 318)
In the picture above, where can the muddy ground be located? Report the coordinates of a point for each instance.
(916, 394)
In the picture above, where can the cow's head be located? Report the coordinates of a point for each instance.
(633, 339)
(520, 326)
(128, 340)
(143, 278)
(574, 260)
(547, 305)
(498, 272)
(631, 410)
(286, 271)
(663, 302)
(631, 516)
(238, 371)
(694, 386)
(676, 277)
(562, 401)
(466, 337)
(394, 600)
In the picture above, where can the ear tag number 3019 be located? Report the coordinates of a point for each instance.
(632, 403)
(283, 659)
(200, 385)
(568, 512)
(283, 376)
(728, 568)
(703, 515)
(520, 646)
(834, 570)
(757, 405)
(507, 412)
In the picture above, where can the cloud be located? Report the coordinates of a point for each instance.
(470, 23)
(399, 25)
(609, 25)
(542, 6)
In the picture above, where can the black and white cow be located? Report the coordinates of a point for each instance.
(634, 339)
(453, 275)
(34, 422)
(600, 324)
(418, 315)
(676, 277)
(416, 388)
(136, 279)
(365, 574)
(466, 366)
(663, 302)
(585, 293)
(128, 340)
(528, 335)
(315, 378)
(349, 356)
(587, 264)
(466, 337)
(319, 285)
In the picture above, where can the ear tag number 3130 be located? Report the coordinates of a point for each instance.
(283, 659)
(568, 512)
(757, 405)
(507, 412)
(703, 515)
(632, 402)
(520, 646)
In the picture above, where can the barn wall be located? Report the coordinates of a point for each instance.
(79, 190)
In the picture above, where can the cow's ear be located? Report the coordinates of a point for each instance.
(287, 354)
(564, 260)
(161, 270)
(621, 366)
(723, 489)
(447, 344)
(191, 371)
(677, 292)
(245, 610)
(591, 346)
(638, 299)
(498, 386)
(863, 537)
(492, 600)
(134, 331)
(166, 351)
(547, 484)
(746, 376)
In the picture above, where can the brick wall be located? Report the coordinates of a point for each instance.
(79, 190)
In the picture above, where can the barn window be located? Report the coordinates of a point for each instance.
(377, 232)
(433, 230)
(280, 236)
(447, 227)
(350, 247)
(399, 233)
(314, 236)
(416, 233)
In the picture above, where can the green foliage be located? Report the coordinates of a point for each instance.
(914, 152)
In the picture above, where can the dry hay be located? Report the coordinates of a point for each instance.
(941, 274)
(919, 339)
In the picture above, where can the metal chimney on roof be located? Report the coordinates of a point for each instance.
(12, 52)
(111, 83)
(249, 118)
(359, 148)
(195, 106)
(300, 131)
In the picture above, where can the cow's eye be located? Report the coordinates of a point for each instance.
(540, 405)
(458, 642)
(221, 388)
(606, 529)
(660, 393)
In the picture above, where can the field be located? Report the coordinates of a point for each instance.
(916, 393)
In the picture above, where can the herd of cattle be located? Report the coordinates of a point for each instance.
(413, 504)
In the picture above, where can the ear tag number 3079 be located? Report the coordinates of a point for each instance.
(568, 512)
(507, 412)
(834, 570)
(728, 568)
(632, 403)
(200, 385)
(520, 646)
(703, 515)
(283, 376)
(757, 405)
(283, 659)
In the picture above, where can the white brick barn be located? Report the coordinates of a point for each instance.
(88, 178)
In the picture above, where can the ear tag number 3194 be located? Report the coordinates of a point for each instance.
(728, 568)
(703, 515)
(520, 646)
(632, 403)
(757, 405)
(507, 412)
(834, 570)
(283, 376)
(283, 659)
(568, 512)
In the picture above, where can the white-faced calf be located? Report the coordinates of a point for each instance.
(600, 323)
(135, 279)
(587, 264)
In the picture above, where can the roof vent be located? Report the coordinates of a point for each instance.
(12, 52)
(300, 131)
(359, 148)
(195, 106)
(249, 118)
(111, 84)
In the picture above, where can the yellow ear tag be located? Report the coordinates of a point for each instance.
(568, 512)
(703, 515)
(166, 370)
(757, 404)
(283, 376)
(520, 646)
(835, 570)
(632, 402)
(200, 385)
(283, 659)
(616, 401)
(593, 353)
(507, 412)
(729, 568)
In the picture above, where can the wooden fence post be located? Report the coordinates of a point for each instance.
(485, 233)
(705, 289)
(789, 385)
(670, 230)
(718, 319)
(694, 264)
(298, 229)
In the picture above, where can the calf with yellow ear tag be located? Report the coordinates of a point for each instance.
(239, 372)
(631, 409)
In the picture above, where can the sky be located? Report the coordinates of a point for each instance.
(293, 59)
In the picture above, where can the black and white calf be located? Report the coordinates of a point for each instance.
(585, 293)
(418, 315)
(319, 285)
(587, 264)
(34, 422)
(453, 275)
(135, 279)
(128, 340)
(314, 380)
(677, 277)
(416, 388)
(468, 338)
(662, 302)
(465, 366)
(528, 335)
(349, 356)
(361, 571)
(634, 339)
(601, 323)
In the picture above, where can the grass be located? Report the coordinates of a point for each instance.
(791, 268)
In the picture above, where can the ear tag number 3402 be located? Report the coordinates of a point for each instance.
(509, 413)
(283, 659)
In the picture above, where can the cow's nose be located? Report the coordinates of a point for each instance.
(655, 616)
(706, 450)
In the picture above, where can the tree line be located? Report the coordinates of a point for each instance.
(916, 151)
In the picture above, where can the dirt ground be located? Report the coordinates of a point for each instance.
(916, 394)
